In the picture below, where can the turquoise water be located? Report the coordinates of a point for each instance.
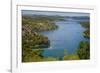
(66, 37)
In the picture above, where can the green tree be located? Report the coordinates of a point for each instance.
(84, 50)
(71, 57)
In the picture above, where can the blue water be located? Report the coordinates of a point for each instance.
(66, 37)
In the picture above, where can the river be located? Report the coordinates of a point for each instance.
(66, 37)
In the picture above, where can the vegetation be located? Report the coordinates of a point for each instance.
(86, 25)
(87, 33)
(71, 57)
(33, 43)
(84, 50)
(84, 46)
(39, 23)
(30, 55)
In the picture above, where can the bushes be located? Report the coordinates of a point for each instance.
(39, 23)
(85, 24)
(35, 41)
(84, 50)
(71, 57)
(35, 56)
(87, 31)
(87, 34)
(29, 55)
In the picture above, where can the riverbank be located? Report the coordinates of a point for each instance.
(84, 46)
(32, 40)
(86, 25)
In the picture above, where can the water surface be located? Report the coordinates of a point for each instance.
(66, 37)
